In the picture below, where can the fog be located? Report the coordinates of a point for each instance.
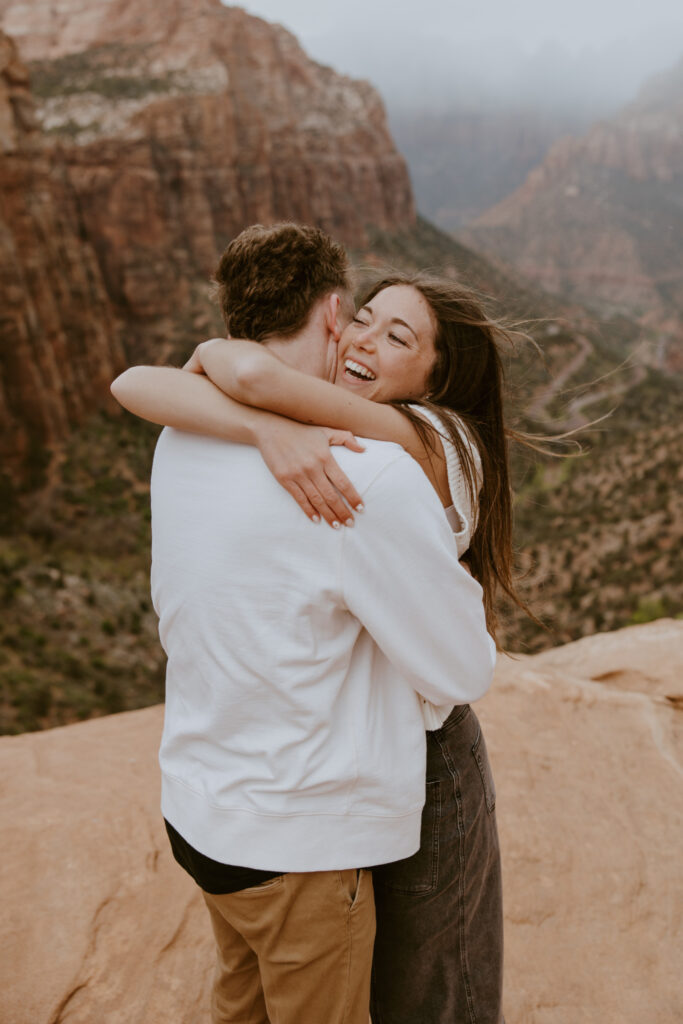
(586, 56)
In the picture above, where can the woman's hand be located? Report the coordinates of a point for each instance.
(299, 458)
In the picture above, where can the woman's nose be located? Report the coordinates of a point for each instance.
(366, 339)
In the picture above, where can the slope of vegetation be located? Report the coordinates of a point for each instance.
(597, 535)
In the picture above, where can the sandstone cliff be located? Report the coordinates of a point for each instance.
(184, 123)
(163, 132)
(600, 219)
(59, 348)
(99, 923)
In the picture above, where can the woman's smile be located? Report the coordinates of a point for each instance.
(357, 370)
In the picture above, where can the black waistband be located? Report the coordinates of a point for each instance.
(211, 875)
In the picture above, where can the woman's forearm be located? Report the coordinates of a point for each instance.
(188, 401)
(251, 374)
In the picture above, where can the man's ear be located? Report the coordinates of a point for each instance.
(332, 319)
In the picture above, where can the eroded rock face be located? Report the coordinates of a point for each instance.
(99, 923)
(185, 123)
(600, 219)
(59, 347)
(165, 130)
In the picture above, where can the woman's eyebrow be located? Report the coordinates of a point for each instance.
(394, 320)
(397, 320)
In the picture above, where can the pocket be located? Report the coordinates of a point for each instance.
(269, 883)
(354, 883)
(417, 875)
(480, 755)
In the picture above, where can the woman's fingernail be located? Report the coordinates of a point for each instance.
(336, 525)
(348, 522)
(315, 518)
(360, 507)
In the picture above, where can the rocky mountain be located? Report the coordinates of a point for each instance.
(601, 218)
(155, 135)
(161, 136)
(188, 121)
(463, 161)
(594, 533)
(585, 746)
(59, 345)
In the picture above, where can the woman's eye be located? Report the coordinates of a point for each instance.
(395, 337)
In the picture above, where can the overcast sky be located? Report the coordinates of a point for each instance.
(572, 49)
(576, 24)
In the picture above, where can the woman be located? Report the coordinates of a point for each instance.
(418, 365)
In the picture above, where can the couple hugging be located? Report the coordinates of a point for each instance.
(314, 673)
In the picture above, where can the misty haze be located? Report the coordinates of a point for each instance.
(476, 97)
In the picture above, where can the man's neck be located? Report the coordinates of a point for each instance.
(313, 350)
(306, 351)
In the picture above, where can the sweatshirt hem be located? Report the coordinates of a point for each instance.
(308, 841)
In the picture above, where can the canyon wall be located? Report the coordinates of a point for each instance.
(59, 346)
(163, 131)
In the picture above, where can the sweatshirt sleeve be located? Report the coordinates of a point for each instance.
(401, 578)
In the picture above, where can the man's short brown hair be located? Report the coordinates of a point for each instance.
(269, 278)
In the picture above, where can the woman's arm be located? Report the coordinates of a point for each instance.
(298, 456)
(187, 401)
(251, 374)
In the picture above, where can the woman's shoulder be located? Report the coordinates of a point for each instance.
(464, 502)
(443, 421)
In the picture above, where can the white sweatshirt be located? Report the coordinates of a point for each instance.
(293, 737)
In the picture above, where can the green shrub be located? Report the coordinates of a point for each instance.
(648, 610)
(29, 696)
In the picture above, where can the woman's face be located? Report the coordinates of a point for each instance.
(387, 352)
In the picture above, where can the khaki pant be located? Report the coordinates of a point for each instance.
(296, 949)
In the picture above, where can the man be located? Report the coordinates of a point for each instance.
(293, 750)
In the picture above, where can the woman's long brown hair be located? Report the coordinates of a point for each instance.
(467, 379)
